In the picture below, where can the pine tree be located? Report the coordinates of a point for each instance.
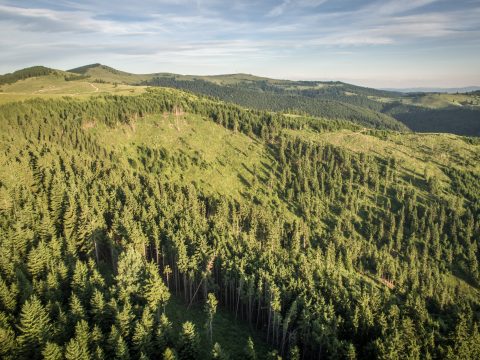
(188, 348)
(143, 334)
(169, 354)
(77, 311)
(79, 346)
(8, 344)
(81, 283)
(131, 271)
(75, 351)
(210, 310)
(249, 351)
(35, 328)
(117, 345)
(163, 336)
(218, 352)
(52, 351)
(99, 308)
(8, 296)
(156, 292)
(124, 320)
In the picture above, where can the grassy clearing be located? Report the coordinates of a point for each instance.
(439, 101)
(55, 86)
(218, 160)
(111, 75)
(435, 101)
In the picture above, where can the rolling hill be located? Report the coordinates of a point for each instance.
(422, 112)
(453, 113)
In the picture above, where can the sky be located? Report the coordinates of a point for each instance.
(378, 43)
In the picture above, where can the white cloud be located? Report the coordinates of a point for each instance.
(285, 5)
(46, 20)
(188, 36)
(279, 9)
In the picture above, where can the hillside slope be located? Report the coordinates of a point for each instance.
(287, 101)
(330, 239)
(25, 74)
(451, 113)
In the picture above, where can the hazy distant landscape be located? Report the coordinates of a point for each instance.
(149, 214)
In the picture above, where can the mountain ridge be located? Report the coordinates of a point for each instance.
(448, 90)
(373, 108)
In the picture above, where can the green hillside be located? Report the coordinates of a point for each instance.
(268, 97)
(102, 73)
(58, 84)
(463, 120)
(430, 112)
(121, 216)
(25, 74)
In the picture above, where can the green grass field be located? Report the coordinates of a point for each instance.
(439, 101)
(55, 86)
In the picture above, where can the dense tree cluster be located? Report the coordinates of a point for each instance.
(335, 100)
(272, 98)
(331, 254)
(25, 74)
(458, 120)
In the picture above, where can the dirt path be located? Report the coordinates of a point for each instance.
(52, 87)
(96, 88)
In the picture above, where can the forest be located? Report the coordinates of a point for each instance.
(324, 251)
(336, 100)
(25, 74)
(267, 97)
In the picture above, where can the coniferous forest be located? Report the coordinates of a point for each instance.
(323, 251)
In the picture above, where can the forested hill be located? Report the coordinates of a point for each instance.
(268, 97)
(25, 74)
(459, 113)
(380, 109)
(173, 225)
(423, 112)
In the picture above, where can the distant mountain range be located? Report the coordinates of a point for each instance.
(436, 90)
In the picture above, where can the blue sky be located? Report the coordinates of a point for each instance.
(381, 43)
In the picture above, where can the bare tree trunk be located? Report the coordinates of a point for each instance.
(258, 311)
(269, 318)
(238, 297)
(96, 252)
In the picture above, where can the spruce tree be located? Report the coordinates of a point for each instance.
(250, 353)
(8, 345)
(210, 310)
(52, 351)
(35, 328)
(155, 290)
(188, 348)
(169, 354)
(218, 352)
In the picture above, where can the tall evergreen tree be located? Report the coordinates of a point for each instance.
(188, 348)
(35, 328)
